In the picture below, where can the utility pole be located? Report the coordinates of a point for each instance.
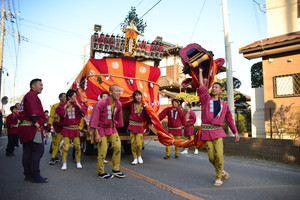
(2, 42)
(230, 98)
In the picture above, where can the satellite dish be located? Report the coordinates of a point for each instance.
(4, 100)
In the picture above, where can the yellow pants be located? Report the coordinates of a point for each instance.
(102, 151)
(136, 144)
(76, 143)
(55, 144)
(177, 149)
(190, 137)
(215, 155)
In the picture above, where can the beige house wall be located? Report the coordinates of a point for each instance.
(282, 17)
(279, 65)
(281, 114)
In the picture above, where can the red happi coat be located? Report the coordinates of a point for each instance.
(189, 128)
(137, 117)
(176, 121)
(102, 119)
(207, 116)
(32, 106)
(69, 117)
(12, 120)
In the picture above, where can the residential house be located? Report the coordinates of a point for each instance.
(281, 69)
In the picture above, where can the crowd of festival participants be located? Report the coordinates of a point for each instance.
(30, 124)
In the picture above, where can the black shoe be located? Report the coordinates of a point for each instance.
(10, 154)
(176, 157)
(27, 178)
(57, 160)
(118, 174)
(167, 157)
(52, 161)
(105, 176)
(39, 179)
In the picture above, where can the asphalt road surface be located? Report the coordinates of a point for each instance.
(189, 177)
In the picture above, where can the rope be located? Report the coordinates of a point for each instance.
(121, 77)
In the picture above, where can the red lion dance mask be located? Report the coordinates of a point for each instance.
(194, 57)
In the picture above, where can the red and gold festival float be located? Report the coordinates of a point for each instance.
(122, 66)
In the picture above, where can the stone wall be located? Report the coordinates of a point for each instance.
(287, 151)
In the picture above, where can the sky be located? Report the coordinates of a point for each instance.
(55, 34)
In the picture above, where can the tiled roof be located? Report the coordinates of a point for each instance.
(271, 41)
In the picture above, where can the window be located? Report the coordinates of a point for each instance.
(287, 85)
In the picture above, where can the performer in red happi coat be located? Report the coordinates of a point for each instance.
(136, 127)
(32, 119)
(176, 121)
(70, 113)
(12, 130)
(106, 117)
(189, 129)
(214, 112)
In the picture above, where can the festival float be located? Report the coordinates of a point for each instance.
(123, 65)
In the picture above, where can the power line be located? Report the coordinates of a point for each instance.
(197, 20)
(151, 8)
(18, 25)
(257, 21)
(16, 16)
(48, 28)
(9, 50)
(52, 48)
(146, 6)
(139, 4)
(140, 17)
(262, 7)
(52, 31)
(12, 26)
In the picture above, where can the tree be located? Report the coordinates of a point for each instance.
(132, 15)
(257, 75)
(236, 83)
(241, 106)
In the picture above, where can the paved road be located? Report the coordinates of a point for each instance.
(189, 177)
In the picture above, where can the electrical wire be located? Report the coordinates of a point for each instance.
(48, 28)
(140, 17)
(52, 48)
(139, 4)
(9, 50)
(14, 21)
(146, 6)
(262, 7)
(197, 20)
(258, 24)
(52, 31)
(16, 16)
(150, 9)
(12, 27)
